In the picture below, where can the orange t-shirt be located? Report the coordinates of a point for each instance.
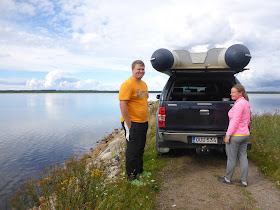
(136, 93)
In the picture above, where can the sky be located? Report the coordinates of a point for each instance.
(90, 44)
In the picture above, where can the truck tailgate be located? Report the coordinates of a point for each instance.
(197, 115)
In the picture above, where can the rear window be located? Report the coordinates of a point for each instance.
(201, 89)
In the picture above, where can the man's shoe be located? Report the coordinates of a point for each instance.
(223, 180)
(145, 173)
(136, 182)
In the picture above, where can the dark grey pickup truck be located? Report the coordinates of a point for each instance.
(194, 103)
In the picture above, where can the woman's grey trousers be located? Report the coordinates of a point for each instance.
(237, 148)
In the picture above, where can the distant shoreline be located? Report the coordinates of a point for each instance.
(268, 92)
(65, 91)
(102, 91)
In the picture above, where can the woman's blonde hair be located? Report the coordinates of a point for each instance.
(240, 88)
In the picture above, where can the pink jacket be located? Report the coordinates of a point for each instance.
(239, 118)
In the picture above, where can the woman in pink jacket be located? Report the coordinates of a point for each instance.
(237, 135)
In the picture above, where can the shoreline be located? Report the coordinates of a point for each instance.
(106, 91)
(104, 143)
(66, 91)
(111, 149)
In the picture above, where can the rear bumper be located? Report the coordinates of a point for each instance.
(176, 140)
(187, 136)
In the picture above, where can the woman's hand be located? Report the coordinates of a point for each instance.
(226, 140)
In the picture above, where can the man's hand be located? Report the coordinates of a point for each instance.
(226, 140)
(125, 114)
(128, 124)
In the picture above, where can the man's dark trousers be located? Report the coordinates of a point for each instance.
(135, 149)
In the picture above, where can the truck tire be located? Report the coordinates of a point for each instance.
(160, 149)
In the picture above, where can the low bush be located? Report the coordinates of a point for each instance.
(265, 138)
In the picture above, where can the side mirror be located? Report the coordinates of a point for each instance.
(158, 96)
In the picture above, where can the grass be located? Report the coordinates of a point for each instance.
(76, 186)
(215, 195)
(265, 140)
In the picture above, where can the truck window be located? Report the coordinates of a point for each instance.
(201, 90)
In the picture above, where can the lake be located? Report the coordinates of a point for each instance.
(41, 129)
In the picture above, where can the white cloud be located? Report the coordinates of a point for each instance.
(200, 48)
(74, 36)
(156, 83)
(12, 84)
(58, 80)
(35, 84)
(12, 8)
(46, 6)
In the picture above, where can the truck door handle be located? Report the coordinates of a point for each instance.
(204, 112)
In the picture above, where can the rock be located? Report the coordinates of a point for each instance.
(85, 156)
(110, 152)
(103, 142)
(101, 147)
(42, 199)
(106, 156)
(114, 171)
(95, 152)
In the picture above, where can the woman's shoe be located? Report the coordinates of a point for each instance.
(223, 180)
(244, 184)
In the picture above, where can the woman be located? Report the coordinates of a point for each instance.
(237, 135)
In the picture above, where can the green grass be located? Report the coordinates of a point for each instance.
(76, 186)
(265, 140)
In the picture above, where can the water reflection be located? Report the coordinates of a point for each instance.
(37, 130)
(52, 109)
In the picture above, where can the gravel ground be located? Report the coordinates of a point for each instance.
(190, 182)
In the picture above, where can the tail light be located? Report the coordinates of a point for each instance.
(161, 117)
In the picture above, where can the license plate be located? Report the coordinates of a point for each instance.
(205, 140)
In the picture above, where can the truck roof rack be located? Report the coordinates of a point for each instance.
(217, 60)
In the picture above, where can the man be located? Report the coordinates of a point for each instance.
(133, 98)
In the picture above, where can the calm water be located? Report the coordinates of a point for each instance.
(263, 103)
(38, 130)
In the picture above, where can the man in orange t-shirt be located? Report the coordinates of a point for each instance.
(133, 96)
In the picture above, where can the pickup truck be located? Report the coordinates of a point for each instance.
(195, 101)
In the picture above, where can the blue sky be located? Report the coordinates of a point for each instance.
(87, 44)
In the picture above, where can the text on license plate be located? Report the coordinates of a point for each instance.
(205, 140)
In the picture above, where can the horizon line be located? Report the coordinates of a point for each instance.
(94, 91)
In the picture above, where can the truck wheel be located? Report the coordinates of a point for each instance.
(160, 149)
